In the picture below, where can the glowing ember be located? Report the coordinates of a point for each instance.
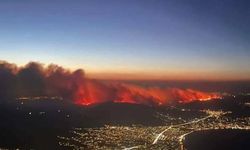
(128, 93)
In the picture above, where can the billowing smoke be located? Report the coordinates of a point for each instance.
(34, 79)
(8, 80)
(130, 93)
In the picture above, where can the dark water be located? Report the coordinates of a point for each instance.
(218, 140)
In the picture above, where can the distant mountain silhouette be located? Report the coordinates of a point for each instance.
(124, 114)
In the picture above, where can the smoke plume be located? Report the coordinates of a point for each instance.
(35, 79)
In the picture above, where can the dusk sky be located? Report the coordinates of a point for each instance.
(131, 39)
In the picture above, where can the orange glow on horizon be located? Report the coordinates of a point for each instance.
(181, 76)
(96, 72)
(54, 80)
(95, 93)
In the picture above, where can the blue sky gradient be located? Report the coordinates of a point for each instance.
(159, 38)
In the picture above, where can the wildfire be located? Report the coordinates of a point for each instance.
(34, 80)
(129, 93)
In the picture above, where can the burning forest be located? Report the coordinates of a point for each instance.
(35, 79)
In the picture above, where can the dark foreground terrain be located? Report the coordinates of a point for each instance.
(51, 124)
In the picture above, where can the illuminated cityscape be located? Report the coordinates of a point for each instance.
(170, 136)
(124, 74)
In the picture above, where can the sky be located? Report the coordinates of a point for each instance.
(131, 39)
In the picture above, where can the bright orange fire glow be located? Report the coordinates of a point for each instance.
(34, 80)
(94, 93)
